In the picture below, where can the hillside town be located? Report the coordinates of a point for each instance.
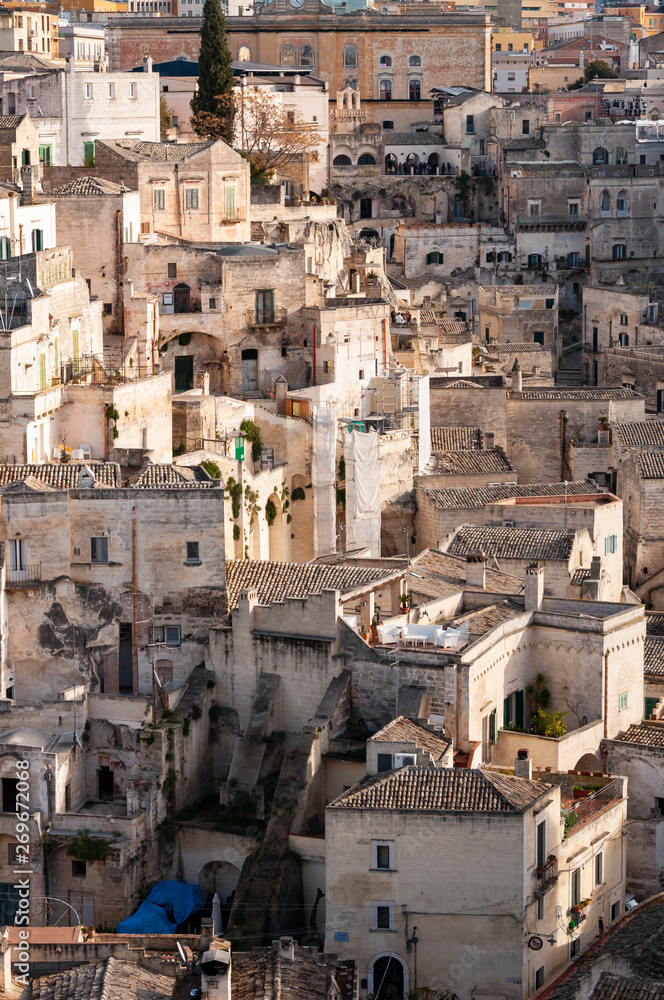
(366, 299)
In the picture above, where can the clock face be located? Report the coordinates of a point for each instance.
(296, 3)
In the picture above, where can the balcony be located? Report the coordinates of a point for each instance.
(25, 576)
(547, 876)
(231, 215)
(263, 318)
(551, 222)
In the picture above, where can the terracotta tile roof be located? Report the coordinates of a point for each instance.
(103, 981)
(647, 734)
(86, 186)
(452, 328)
(482, 621)
(180, 477)
(62, 477)
(511, 543)
(651, 464)
(517, 348)
(455, 438)
(402, 730)
(579, 575)
(262, 974)
(275, 581)
(428, 316)
(613, 987)
(654, 623)
(161, 152)
(433, 789)
(547, 291)
(10, 121)
(437, 574)
(461, 384)
(481, 495)
(642, 432)
(653, 656)
(584, 393)
(466, 463)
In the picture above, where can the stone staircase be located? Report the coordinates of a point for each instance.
(569, 370)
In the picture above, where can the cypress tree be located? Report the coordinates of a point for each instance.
(214, 96)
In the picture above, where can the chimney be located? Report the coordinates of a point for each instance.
(287, 949)
(281, 393)
(489, 440)
(476, 569)
(355, 282)
(534, 591)
(28, 185)
(147, 63)
(523, 765)
(517, 381)
(216, 971)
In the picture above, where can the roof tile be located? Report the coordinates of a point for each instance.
(276, 581)
(511, 543)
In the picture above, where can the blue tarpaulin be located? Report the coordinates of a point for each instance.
(168, 904)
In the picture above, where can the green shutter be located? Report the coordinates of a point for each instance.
(429, 256)
(89, 154)
(651, 705)
(493, 726)
(42, 371)
(506, 713)
(519, 709)
(607, 544)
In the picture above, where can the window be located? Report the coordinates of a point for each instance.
(615, 910)
(600, 155)
(622, 701)
(89, 154)
(623, 339)
(382, 855)
(78, 869)
(513, 710)
(191, 198)
(435, 257)
(306, 56)
(172, 635)
(110, 90)
(414, 60)
(132, 90)
(575, 887)
(108, 308)
(470, 125)
(539, 977)
(558, 117)
(12, 854)
(541, 855)
(511, 76)
(5, 247)
(605, 205)
(212, 304)
(192, 552)
(621, 204)
(386, 90)
(534, 208)
(265, 305)
(382, 917)
(549, 303)
(610, 544)
(159, 199)
(244, 54)
(46, 155)
(621, 155)
(350, 57)
(99, 549)
(9, 791)
(573, 211)
(31, 91)
(360, 374)
(172, 270)
(534, 261)
(623, 319)
(287, 57)
(525, 126)
(619, 251)
(414, 90)
(365, 160)
(37, 240)
(599, 868)
(575, 947)
(384, 761)
(385, 62)
(342, 160)
(388, 125)
(642, 159)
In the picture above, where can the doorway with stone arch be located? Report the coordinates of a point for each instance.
(388, 976)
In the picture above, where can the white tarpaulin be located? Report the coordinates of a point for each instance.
(424, 420)
(323, 470)
(361, 454)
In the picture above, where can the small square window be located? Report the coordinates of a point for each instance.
(171, 635)
(212, 304)
(193, 552)
(132, 90)
(172, 270)
(360, 374)
(382, 855)
(108, 308)
(383, 916)
(78, 869)
(191, 198)
(159, 200)
(99, 549)
(384, 761)
(622, 701)
(12, 854)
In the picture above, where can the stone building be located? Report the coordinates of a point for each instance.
(450, 249)
(29, 28)
(199, 192)
(73, 111)
(19, 147)
(618, 316)
(516, 314)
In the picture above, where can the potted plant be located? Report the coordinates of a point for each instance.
(405, 603)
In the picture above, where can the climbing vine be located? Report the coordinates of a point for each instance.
(298, 493)
(234, 491)
(252, 433)
(112, 414)
(270, 513)
(251, 503)
(87, 848)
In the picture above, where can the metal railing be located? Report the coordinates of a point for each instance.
(24, 575)
(267, 317)
(584, 808)
(550, 220)
(233, 215)
(92, 369)
(547, 876)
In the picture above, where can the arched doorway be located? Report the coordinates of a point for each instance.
(434, 162)
(221, 877)
(388, 976)
(390, 163)
(181, 298)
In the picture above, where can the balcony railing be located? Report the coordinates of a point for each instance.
(553, 221)
(233, 215)
(267, 317)
(547, 876)
(23, 576)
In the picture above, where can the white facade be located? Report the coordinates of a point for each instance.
(73, 110)
(84, 43)
(27, 227)
(510, 71)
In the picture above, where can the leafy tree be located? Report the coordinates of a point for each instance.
(269, 135)
(214, 94)
(597, 69)
(165, 120)
(549, 723)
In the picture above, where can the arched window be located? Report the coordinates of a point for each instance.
(386, 90)
(414, 90)
(385, 62)
(600, 156)
(414, 60)
(306, 56)
(366, 160)
(341, 160)
(388, 975)
(621, 155)
(622, 204)
(350, 57)
(244, 54)
(605, 205)
(287, 55)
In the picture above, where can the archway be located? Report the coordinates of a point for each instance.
(434, 162)
(390, 163)
(218, 876)
(342, 161)
(387, 976)
(275, 523)
(589, 762)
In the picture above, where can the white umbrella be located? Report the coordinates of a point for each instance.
(216, 915)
